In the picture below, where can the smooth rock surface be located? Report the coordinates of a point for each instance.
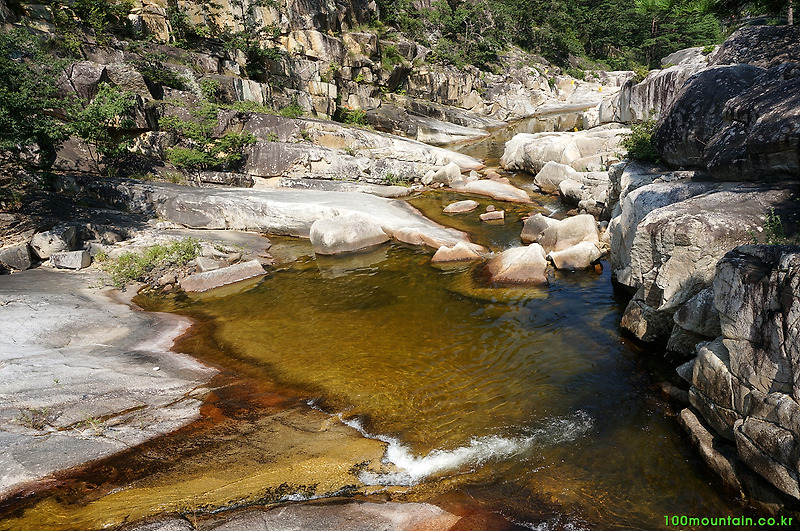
(457, 253)
(346, 233)
(535, 226)
(71, 259)
(530, 152)
(496, 190)
(279, 211)
(493, 215)
(519, 265)
(353, 516)
(458, 207)
(58, 375)
(222, 277)
(579, 256)
(683, 133)
(570, 231)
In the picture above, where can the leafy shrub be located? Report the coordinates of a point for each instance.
(137, 267)
(152, 67)
(350, 116)
(390, 56)
(198, 149)
(27, 94)
(293, 110)
(639, 142)
(577, 73)
(103, 122)
(395, 180)
(640, 72)
(211, 89)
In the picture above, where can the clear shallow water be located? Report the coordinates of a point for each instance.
(535, 397)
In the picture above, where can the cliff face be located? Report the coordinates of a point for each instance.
(329, 57)
(679, 242)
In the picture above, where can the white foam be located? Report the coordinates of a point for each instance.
(413, 468)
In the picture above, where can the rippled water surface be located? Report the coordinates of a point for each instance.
(536, 393)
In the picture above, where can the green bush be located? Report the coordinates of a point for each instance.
(577, 73)
(639, 142)
(152, 67)
(136, 267)
(103, 122)
(28, 95)
(211, 89)
(198, 149)
(293, 110)
(351, 116)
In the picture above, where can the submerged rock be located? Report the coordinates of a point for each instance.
(346, 233)
(457, 253)
(496, 190)
(519, 265)
(353, 516)
(222, 276)
(461, 206)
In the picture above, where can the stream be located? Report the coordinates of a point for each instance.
(525, 403)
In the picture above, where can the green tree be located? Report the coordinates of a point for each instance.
(250, 35)
(28, 99)
(103, 122)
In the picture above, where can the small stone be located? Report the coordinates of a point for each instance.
(156, 368)
(233, 257)
(493, 215)
(71, 260)
(458, 253)
(167, 279)
(17, 257)
(490, 208)
(60, 238)
(461, 206)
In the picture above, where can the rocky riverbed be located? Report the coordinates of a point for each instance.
(91, 383)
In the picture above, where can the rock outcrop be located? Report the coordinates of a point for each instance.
(674, 248)
(739, 119)
(345, 233)
(588, 150)
(274, 211)
(518, 265)
(745, 383)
